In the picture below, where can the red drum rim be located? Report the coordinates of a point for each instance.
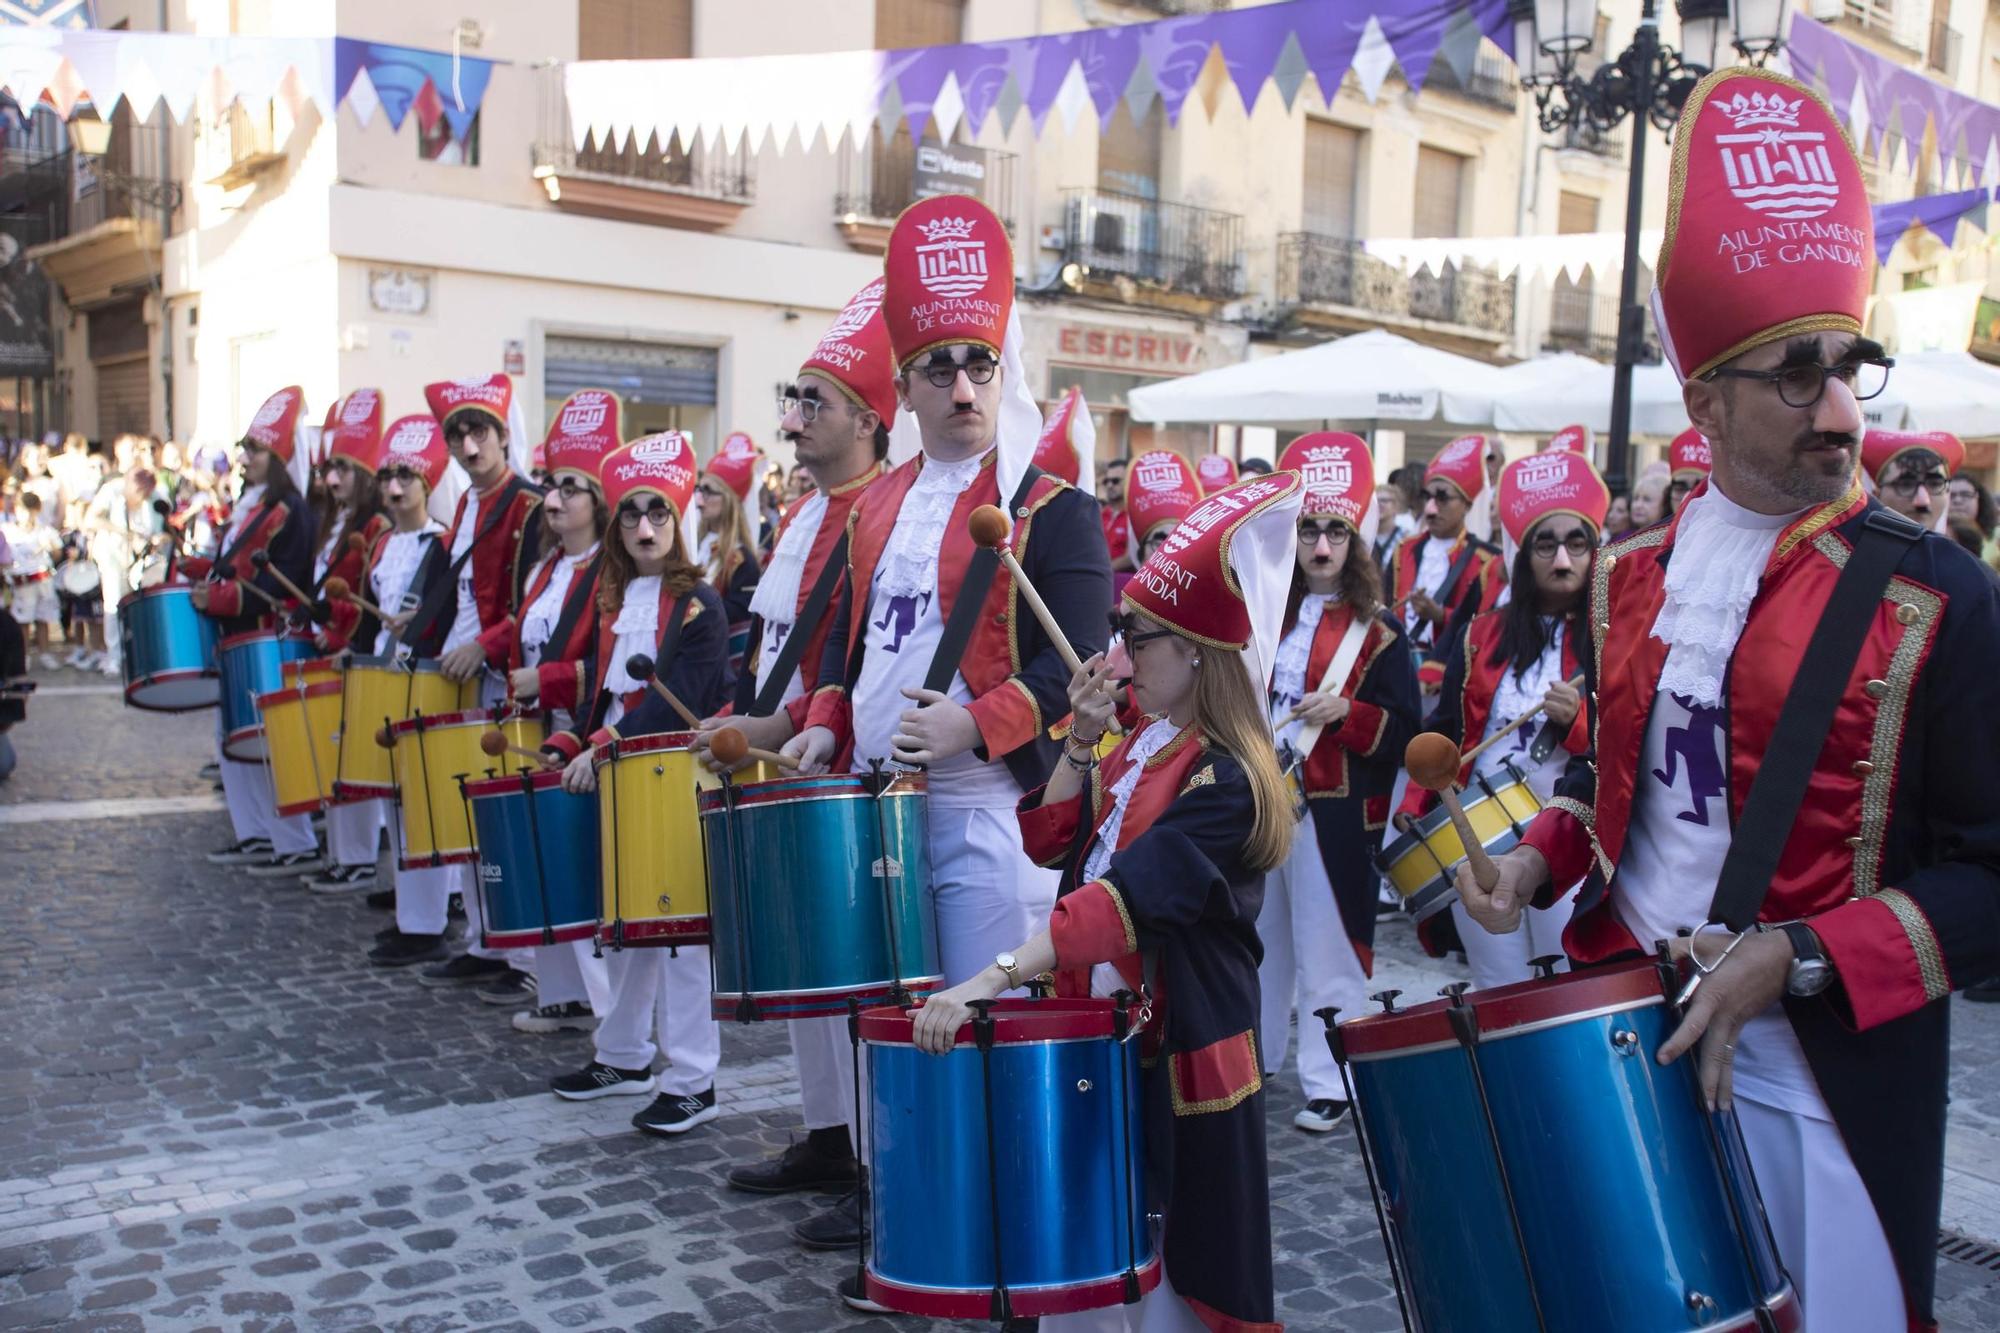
(157, 590)
(1015, 1022)
(1028, 1302)
(320, 689)
(349, 793)
(439, 721)
(530, 937)
(810, 787)
(401, 666)
(302, 807)
(1506, 1010)
(662, 740)
(255, 636)
(428, 860)
(307, 665)
(509, 784)
(655, 931)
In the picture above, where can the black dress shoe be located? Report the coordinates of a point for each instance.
(838, 1228)
(401, 950)
(799, 1167)
(383, 900)
(1984, 992)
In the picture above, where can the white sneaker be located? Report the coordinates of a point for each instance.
(77, 658)
(50, 662)
(111, 667)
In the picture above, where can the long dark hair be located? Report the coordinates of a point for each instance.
(1359, 583)
(1523, 634)
(366, 505)
(618, 570)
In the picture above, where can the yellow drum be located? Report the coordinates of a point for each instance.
(1421, 863)
(432, 752)
(380, 691)
(301, 738)
(653, 874)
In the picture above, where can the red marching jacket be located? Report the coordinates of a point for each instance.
(1483, 578)
(1362, 731)
(255, 529)
(502, 551)
(351, 563)
(561, 668)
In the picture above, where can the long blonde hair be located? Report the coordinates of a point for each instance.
(1229, 710)
(734, 542)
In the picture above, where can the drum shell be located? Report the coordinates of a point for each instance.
(378, 691)
(1066, 1112)
(167, 649)
(431, 754)
(655, 891)
(809, 859)
(301, 733)
(1420, 864)
(252, 664)
(538, 849)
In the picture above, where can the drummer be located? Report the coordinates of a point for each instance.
(1689, 461)
(1160, 489)
(1444, 569)
(1343, 705)
(1827, 1031)
(545, 656)
(271, 517)
(1911, 473)
(837, 413)
(355, 523)
(1518, 657)
(1162, 892)
(405, 567)
(651, 600)
(726, 535)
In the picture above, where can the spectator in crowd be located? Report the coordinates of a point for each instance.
(36, 544)
(122, 526)
(1649, 501)
(1970, 502)
(1618, 518)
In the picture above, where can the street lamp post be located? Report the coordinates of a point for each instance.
(1648, 81)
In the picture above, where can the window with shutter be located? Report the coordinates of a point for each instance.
(1572, 304)
(1128, 152)
(1333, 158)
(1440, 187)
(903, 23)
(635, 29)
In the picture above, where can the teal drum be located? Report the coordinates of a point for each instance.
(819, 893)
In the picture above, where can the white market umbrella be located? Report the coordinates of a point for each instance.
(1950, 391)
(1538, 397)
(1373, 376)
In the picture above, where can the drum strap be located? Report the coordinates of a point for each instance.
(1335, 675)
(663, 660)
(582, 591)
(802, 630)
(1457, 571)
(971, 600)
(433, 602)
(264, 516)
(1805, 719)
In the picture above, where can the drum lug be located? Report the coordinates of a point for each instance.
(1387, 999)
(1455, 992)
(1545, 966)
(1701, 1308)
(1625, 1041)
(1083, 1085)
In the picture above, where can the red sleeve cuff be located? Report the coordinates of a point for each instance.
(1007, 717)
(1564, 841)
(1091, 925)
(1416, 800)
(1430, 673)
(1886, 955)
(829, 708)
(1578, 739)
(796, 710)
(564, 743)
(1047, 831)
(225, 599)
(494, 639)
(561, 684)
(1362, 729)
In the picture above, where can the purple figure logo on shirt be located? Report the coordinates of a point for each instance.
(901, 614)
(1696, 748)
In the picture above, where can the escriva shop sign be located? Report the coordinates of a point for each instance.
(1161, 351)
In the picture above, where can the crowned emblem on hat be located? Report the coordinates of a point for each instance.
(951, 262)
(1556, 482)
(1540, 472)
(1771, 164)
(1338, 472)
(1689, 454)
(412, 435)
(359, 406)
(949, 277)
(854, 354)
(416, 442)
(585, 412)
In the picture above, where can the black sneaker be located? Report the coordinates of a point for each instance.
(854, 1293)
(400, 950)
(464, 970)
(211, 771)
(1321, 1115)
(342, 879)
(799, 1167)
(837, 1228)
(455, 905)
(596, 1080)
(382, 900)
(288, 865)
(677, 1112)
(247, 852)
(1983, 992)
(510, 987)
(572, 1017)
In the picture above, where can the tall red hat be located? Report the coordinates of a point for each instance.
(1462, 463)
(1160, 488)
(735, 463)
(1221, 577)
(1338, 472)
(1056, 451)
(854, 354)
(585, 429)
(1689, 457)
(1880, 448)
(491, 396)
(356, 431)
(275, 427)
(661, 465)
(322, 450)
(1554, 481)
(949, 277)
(1215, 471)
(1769, 233)
(1575, 439)
(415, 442)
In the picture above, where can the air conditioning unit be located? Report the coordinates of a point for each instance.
(1109, 232)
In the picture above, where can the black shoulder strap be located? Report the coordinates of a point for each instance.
(582, 588)
(1807, 715)
(1473, 546)
(434, 599)
(971, 601)
(264, 515)
(663, 660)
(795, 641)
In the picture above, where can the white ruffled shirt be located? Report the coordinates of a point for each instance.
(1288, 679)
(1720, 550)
(538, 621)
(1514, 696)
(465, 624)
(1157, 736)
(909, 563)
(636, 630)
(336, 526)
(776, 601)
(402, 553)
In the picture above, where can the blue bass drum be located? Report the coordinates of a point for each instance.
(537, 859)
(1537, 1171)
(1016, 1163)
(252, 664)
(806, 909)
(167, 650)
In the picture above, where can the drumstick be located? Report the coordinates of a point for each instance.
(731, 747)
(640, 667)
(262, 559)
(1574, 682)
(495, 743)
(1433, 762)
(337, 589)
(989, 527)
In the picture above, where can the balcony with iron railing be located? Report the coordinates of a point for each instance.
(1893, 21)
(1332, 282)
(103, 216)
(1587, 138)
(701, 188)
(1491, 81)
(1128, 245)
(879, 180)
(1583, 319)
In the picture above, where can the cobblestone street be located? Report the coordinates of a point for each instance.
(214, 1114)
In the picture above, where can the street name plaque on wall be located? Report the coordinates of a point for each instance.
(399, 291)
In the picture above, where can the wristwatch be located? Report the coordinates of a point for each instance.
(1007, 964)
(1811, 972)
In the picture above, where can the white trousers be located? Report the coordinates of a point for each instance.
(989, 896)
(1828, 1235)
(253, 809)
(354, 832)
(825, 1058)
(663, 994)
(1308, 959)
(423, 895)
(1501, 960)
(568, 974)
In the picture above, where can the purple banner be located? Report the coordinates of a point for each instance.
(1896, 100)
(1940, 214)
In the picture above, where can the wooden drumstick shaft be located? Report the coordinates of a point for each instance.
(518, 751)
(673, 702)
(1574, 682)
(784, 761)
(1483, 869)
(1048, 619)
(265, 564)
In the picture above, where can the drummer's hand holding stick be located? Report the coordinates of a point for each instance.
(764, 734)
(1093, 700)
(1560, 704)
(941, 1016)
(1748, 977)
(989, 527)
(339, 590)
(1432, 762)
(813, 748)
(580, 777)
(1322, 708)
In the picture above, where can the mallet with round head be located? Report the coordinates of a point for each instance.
(640, 667)
(1432, 762)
